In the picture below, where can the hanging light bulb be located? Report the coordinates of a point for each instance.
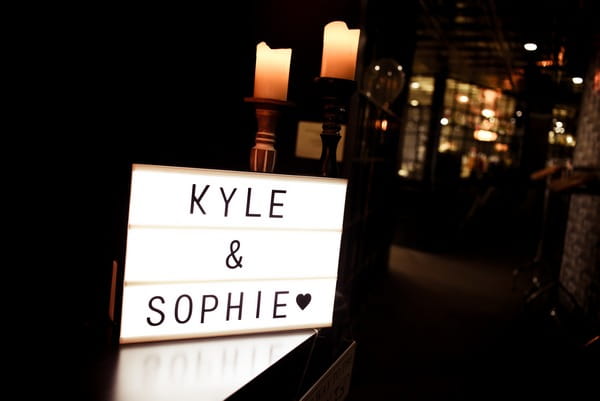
(383, 81)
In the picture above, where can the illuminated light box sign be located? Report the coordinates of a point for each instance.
(213, 252)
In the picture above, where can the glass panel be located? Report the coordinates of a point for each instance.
(467, 108)
(417, 127)
(470, 108)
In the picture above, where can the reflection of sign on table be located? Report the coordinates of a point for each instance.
(207, 369)
(213, 252)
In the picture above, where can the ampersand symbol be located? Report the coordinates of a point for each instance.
(233, 248)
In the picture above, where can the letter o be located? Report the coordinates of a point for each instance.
(189, 314)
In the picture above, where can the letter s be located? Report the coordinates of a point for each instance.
(162, 315)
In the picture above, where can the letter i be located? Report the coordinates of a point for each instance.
(258, 305)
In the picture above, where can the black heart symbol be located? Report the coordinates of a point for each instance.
(303, 300)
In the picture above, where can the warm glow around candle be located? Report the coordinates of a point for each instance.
(272, 72)
(340, 46)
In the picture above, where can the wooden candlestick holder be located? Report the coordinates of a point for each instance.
(263, 154)
(335, 94)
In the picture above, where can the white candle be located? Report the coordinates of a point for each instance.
(272, 72)
(340, 46)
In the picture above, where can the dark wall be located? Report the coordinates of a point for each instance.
(136, 85)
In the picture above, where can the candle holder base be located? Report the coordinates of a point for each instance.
(335, 94)
(263, 154)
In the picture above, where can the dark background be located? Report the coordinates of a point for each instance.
(122, 84)
(165, 85)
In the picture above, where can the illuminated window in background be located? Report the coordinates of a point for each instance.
(561, 134)
(478, 119)
(474, 120)
(417, 127)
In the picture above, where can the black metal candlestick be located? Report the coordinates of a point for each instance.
(335, 94)
(263, 154)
